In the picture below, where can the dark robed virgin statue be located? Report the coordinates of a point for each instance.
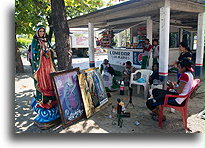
(44, 102)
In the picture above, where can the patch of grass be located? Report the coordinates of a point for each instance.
(23, 44)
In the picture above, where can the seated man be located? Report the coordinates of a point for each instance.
(155, 74)
(104, 66)
(182, 87)
(154, 79)
(110, 82)
(127, 72)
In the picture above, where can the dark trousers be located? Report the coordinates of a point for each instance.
(144, 62)
(158, 98)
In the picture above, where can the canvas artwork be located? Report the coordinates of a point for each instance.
(68, 94)
(92, 90)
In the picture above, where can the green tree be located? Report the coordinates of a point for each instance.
(29, 13)
(76, 8)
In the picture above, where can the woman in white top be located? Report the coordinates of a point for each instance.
(182, 87)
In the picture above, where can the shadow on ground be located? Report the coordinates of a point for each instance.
(100, 121)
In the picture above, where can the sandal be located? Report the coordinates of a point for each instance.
(156, 118)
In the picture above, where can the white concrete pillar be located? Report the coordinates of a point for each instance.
(164, 40)
(200, 45)
(180, 35)
(119, 40)
(131, 35)
(91, 44)
(125, 35)
(149, 36)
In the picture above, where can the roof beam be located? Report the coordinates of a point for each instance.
(180, 26)
(129, 20)
(175, 21)
(186, 6)
(130, 10)
(137, 9)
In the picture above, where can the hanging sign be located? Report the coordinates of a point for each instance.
(120, 56)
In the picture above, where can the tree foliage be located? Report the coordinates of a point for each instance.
(76, 8)
(29, 13)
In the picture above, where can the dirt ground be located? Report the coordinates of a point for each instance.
(100, 122)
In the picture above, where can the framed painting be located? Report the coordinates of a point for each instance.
(68, 95)
(92, 90)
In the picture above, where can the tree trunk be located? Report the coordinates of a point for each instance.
(61, 32)
(50, 33)
(19, 63)
(50, 23)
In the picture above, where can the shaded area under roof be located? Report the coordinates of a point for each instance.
(184, 14)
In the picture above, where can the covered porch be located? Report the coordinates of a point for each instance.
(160, 17)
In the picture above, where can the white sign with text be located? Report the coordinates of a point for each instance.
(120, 56)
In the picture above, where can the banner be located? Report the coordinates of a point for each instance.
(120, 56)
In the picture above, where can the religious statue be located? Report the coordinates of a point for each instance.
(44, 102)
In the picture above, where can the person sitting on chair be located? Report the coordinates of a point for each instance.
(109, 79)
(182, 87)
(127, 72)
(155, 74)
(104, 66)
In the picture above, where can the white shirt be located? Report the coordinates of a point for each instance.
(156, 51)
(188, 78)
(107, 78)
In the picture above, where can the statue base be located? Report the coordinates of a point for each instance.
(46, 118)
(47, 125)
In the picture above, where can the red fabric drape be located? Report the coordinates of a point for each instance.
(42, 76)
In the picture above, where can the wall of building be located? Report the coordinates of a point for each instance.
(173, 55)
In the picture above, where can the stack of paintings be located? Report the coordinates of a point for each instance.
(79, 95)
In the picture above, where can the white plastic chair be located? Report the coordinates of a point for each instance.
(145, 73)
